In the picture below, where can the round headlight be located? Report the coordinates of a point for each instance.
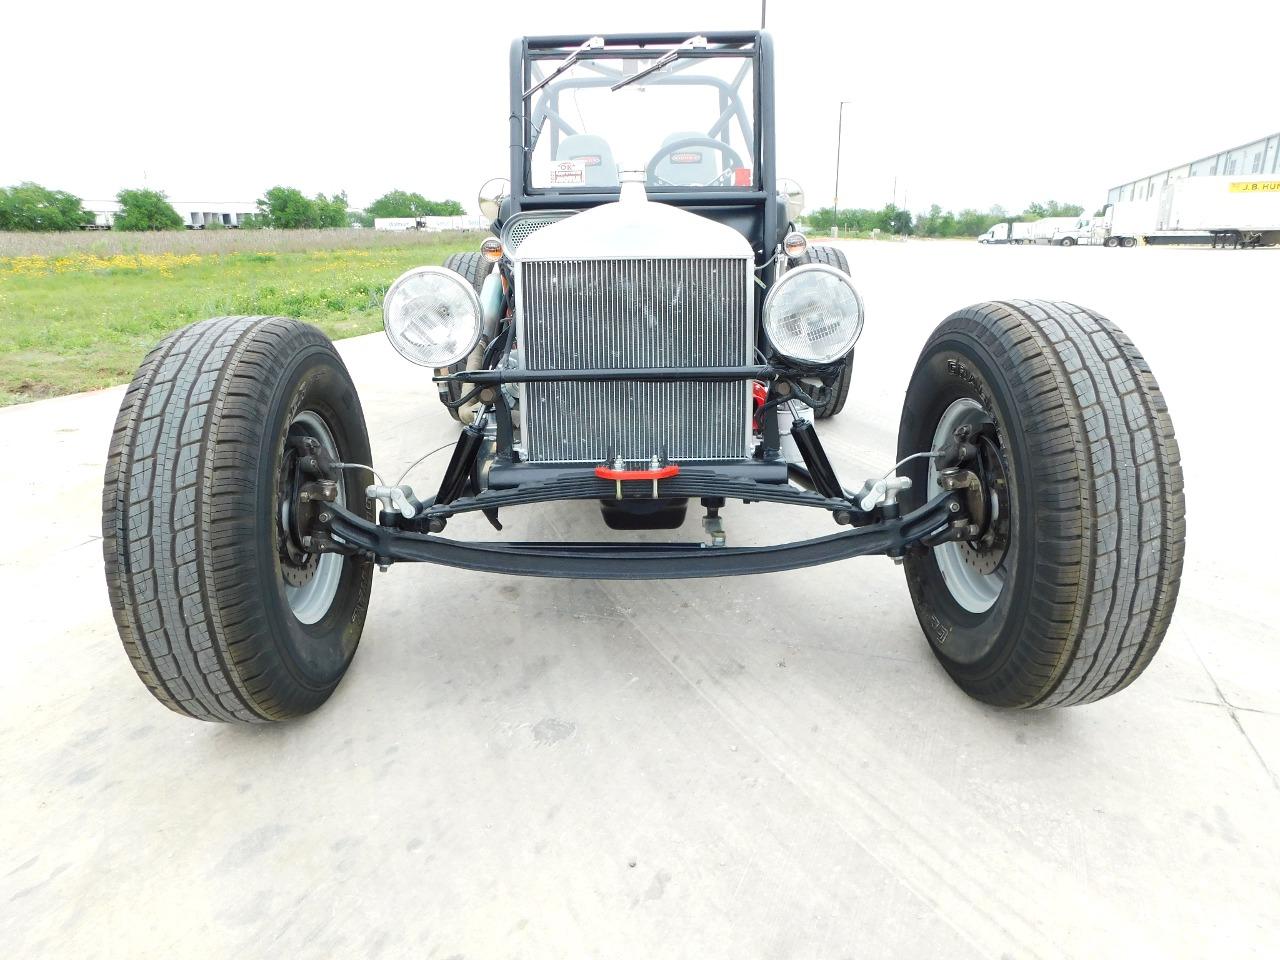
(432, 316)
(813, 314)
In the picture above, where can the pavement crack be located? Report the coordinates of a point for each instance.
(1233, 713)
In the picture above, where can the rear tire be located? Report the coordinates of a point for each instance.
(474, 268)
(1068, 242)
(839, 391)
(218, 624)
(1092, 552)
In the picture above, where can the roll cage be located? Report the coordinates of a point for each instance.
(754, 211)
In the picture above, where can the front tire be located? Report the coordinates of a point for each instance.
(220, 620)
(1069, 601)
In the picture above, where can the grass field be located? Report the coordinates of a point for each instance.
(79, 311)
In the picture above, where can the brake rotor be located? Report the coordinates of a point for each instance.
(299, 575)
(987, 552)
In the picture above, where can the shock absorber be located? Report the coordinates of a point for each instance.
(464, 455)
(815, 459)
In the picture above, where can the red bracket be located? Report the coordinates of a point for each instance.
(661, 473)
(652, 473)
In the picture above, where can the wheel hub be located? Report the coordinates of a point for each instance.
(310, 577)
(974, 570)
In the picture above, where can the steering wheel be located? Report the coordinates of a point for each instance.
(730, 155)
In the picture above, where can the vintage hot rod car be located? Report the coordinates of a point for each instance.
(645, 329)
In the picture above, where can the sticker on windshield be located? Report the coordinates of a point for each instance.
(565, 173)
(588, 159)
(686, 157)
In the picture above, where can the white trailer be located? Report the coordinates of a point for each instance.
(1220, 211)
(395, 223)
(430, 224)
(1008, 231)
(1232, 211)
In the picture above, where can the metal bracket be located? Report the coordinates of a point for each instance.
(395, 499)
(883, 491)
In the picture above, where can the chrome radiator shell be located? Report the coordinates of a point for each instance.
(580, 314)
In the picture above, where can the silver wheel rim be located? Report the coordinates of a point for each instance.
(973, 589)
(310, 601)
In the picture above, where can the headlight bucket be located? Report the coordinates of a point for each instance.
(813, 314)
(432, 316)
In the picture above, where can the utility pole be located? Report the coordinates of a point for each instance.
(763, 5)
(835, 204)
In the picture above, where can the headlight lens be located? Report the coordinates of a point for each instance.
(432, 316)
(813, 314)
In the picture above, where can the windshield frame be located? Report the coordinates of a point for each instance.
(534, 117)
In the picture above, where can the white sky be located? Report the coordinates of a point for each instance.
(967, 104)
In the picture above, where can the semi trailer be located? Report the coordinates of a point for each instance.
(1218, 211)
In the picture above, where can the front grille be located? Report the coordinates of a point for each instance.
(518, 227)
(616, 314)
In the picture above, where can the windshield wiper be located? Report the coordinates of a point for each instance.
(667, 58)
(595, 43)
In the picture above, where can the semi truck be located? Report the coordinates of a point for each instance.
(1218, 211)
(1061, 231)
(1007, 231)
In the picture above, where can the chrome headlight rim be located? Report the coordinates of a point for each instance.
(394, 331)
(832, 356)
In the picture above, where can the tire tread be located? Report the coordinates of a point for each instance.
(1110, 518)
(175, 508)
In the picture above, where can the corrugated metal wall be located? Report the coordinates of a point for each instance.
(1253, 159)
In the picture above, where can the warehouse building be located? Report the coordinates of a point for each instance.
(196, 215)
(1257, 158)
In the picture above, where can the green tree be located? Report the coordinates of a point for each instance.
(287, 209)
(145, 210)
(893, 220)
(398, 203)
(29, 206)
(331, 212)
(444, 208)
(1038, 211)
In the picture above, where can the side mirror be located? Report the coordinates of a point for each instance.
(491, 195)
(794, 195)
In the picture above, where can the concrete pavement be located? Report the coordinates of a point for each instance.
(770, 766)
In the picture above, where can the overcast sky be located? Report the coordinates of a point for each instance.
(966, 104)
